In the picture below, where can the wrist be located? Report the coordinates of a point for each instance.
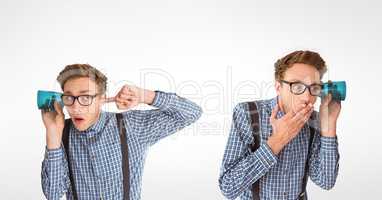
(275, 144)
(53, 140)
(52, 145)
(148, 97)
(329, 133)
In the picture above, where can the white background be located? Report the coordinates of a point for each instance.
(206, 50)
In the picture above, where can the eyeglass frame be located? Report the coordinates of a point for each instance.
(306, 86)
(77, 98)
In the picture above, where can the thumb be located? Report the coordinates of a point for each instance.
(58, 108)
(274, 113)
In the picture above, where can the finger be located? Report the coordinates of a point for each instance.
(109, 100)
(126, 96)
(58, 108)
(123, 104)
(337, 103)
(302, 121)
(119, 92)
(307, 109)
(126, 89)
(300, 107)
(127, 99)
(119, 100)
(302, 113)
(334, 105)
(292, 113)
(123, 90)
(122, 101)
(297, 117)
(128, 105)
(133, 98)
(289, 115)
(306, 117)
(44, 113)
(325, 101)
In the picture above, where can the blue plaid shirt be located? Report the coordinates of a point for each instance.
(280, 176)
(95, 154)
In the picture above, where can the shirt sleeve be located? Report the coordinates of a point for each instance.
(54, 174)
(241, 167)
(324, 161)
(171, 114)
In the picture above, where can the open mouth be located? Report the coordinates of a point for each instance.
(78, 120)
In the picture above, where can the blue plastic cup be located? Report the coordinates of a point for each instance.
(336, 88)
(46, 99)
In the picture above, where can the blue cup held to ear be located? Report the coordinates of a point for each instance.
(46, 99)
(336, 88)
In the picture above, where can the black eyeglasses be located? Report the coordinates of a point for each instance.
(83, 100)
(298, 88)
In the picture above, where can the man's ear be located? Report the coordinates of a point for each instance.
(102, 99)
(277, 87)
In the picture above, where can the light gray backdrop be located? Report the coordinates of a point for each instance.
(215, 52)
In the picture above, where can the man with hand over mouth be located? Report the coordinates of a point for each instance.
(100, 155)
(274, 145)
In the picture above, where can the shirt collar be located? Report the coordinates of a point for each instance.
(273, 104)
(97, 126)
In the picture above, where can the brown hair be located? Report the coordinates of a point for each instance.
(83, 70)
(305, 57)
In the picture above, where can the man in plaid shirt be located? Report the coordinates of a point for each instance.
(94, 142)
(285, 124)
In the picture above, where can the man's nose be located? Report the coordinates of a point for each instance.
(76, 105)
(306, 96)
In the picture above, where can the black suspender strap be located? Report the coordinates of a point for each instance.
(65, 142)
(125, 156)
(256, 143)
(302, 195)
(124, 151)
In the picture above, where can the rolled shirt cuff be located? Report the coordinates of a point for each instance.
(162, 99)
(329, 143)
(54, 154)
